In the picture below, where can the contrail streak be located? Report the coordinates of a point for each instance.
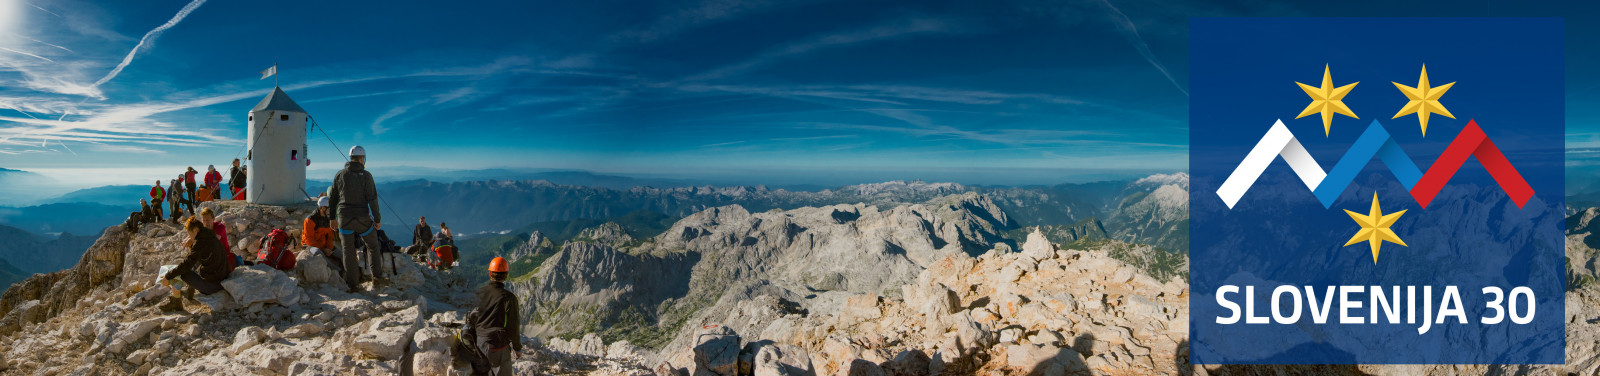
(64, 145)
(1125, 25)
(49, 44)
(42, 9)
(150, 37)
(28, 54)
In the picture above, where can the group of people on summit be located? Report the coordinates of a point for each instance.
(183, 195)
(345, 228)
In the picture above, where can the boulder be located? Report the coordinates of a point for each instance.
(862, 307)
(406, 273)
(624, 350)
(27, 312)
(386, 337)
(432, 338)
(316, 270)
(1037, 247)
(717, 353)
(247, 338)
(431, 363)
(128, 334)
(302, 330)
(778, 358)
(262, 284)
(218, 302)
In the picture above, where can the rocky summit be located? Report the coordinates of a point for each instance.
(949, 286)
(107, 315)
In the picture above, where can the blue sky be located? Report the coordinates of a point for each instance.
(1009, 92)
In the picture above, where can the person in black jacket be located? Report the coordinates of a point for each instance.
(236, 179)
(421, 238)
(206, 265)
(354, 197)
(497, 321)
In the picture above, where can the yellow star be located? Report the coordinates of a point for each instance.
(1375, 228)
(1424, 100)
(1327, 100)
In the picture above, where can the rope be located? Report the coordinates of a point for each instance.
(340, 151)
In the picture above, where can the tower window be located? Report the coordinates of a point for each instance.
(252, 118)
(283, 117)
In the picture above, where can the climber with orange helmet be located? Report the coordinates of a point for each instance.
(497, 322)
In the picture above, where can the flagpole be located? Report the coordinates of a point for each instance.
(275, 73)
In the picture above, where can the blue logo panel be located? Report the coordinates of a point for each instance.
(1377, 191)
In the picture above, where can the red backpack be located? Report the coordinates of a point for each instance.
(275, 251)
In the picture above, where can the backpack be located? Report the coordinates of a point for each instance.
(275, 251)
(385, 244)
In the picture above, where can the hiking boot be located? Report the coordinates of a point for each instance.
(171, 303)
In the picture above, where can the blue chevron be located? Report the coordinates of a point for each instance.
(1374, 142)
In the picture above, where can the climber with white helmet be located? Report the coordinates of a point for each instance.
(354, 199)
(318, 233)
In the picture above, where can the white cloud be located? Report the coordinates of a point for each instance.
(896, 29)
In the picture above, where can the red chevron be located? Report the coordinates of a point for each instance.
(1472, 142)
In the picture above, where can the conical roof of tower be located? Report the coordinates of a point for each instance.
(278, 101)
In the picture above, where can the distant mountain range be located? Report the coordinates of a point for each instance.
(78, 217)
(24, 186)
(29, 253)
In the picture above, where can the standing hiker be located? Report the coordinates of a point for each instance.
(214, 182)
(175, 198)
(497, 321)
(188, 185)
(235, 179)
(355, 198)
(156, 195)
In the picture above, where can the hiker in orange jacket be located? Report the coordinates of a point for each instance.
(203, 195)
(318, 232)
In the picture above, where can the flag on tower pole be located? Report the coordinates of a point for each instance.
(269, 72)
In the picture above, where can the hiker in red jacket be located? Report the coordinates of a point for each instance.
(214, 182)
(156, 195)
(188, 184)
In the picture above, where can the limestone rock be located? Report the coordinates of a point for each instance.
(1037, 247)
(247, 338)
(262, 284)
(316, 270)
(386, 337)
(717, 353)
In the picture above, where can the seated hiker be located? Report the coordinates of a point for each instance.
(318, 233)
(219, 228)
(136, 219)
(445, 247)
(146, 213)
(202, 195)
(421, 237)
(206, 265)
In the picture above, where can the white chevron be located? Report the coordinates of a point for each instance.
(1278, 142)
